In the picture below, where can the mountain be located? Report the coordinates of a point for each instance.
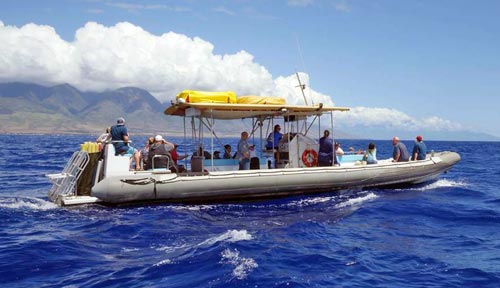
(63, 109)
(31, 108)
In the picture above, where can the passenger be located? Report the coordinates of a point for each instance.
(216, 154)
(104, 136)
(419, 149)
(251, 151)
(338, 150)
(200, 151)
(254, 160)
(326, 155)
(400, 153)
(371, 154)
(144, 153)
(207, 154)
(120, 139)
(227, 152)
(274, 138)
(160, 147)
(176, 157)
(242, 153)
(351, 150)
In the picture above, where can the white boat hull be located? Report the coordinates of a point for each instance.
(250, 184)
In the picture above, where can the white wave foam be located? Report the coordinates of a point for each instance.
(29, 203)
(163, 262)
(242, 266)
(441, 183)
(193, 207)
(310, 201)
(126, 250)
(229, 236)
(356, 201)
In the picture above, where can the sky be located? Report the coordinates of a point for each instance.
(414, 67)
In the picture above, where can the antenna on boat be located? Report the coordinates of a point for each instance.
(301, 86)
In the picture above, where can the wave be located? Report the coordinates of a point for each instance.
(356, 201)
(229, 236)
(242, 266)
(445, 183)
(440, 183)
(27, 203)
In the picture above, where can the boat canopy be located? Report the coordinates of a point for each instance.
(259, 107)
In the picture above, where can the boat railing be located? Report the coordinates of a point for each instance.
(170, 163)
(64, 183)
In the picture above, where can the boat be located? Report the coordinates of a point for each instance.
(103, 177)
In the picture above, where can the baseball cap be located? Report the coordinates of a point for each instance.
(120, 121)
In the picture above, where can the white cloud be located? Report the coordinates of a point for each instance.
(393, 119)
(103, 58)
(288, 87)
(301, 3)
(342, 6)
(95, 11)
(224, 10)
(131, 7)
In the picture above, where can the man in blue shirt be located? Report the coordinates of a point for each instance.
(400, 152)
(274, 138)
(120, 139)
(326, 156)
(419, 149)
(243, 153)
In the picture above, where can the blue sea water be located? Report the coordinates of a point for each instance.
(440, 234)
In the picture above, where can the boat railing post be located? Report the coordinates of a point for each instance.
(161, 156)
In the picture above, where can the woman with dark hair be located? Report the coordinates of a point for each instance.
(371, 154)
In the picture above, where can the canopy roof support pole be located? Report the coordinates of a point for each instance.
(310, 125)
(212, 130)
(333, 139)
(319, 126)
(185, 143)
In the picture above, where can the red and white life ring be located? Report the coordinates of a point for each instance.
(310, 157)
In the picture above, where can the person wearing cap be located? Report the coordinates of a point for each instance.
(160, 148)
(120, 139)
(419, 149)
(400, 152)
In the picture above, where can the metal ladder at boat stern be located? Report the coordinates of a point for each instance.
(64, 183)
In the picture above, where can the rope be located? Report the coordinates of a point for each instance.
(142, 181)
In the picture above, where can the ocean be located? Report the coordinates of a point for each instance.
(440, 234)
